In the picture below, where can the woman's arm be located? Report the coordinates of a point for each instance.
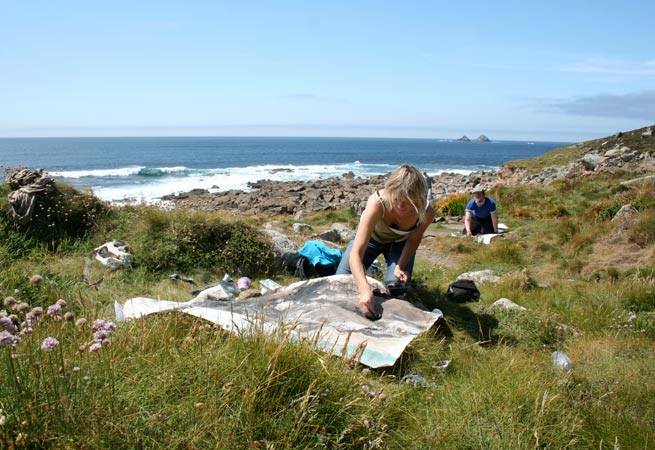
(467, 223)
(494, 221)
(372, 213)
(414, 240)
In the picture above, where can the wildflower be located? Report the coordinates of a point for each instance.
(95, 346)
(37, 311)
(76, 369)
(61, 302)
(69, 316)
(54, 310)
(80, 322)
(13, 318)
(7, 325)
(382, 397)
(10, 301)
(3, 420)
(22, 307)
(371, 394)
(632, 317)
(49, 343)
(365, 388)
(7, 339)
(100, 335)
(98, 323)
(36, 280)
(31, 319)
(109, 326)
(26, 330)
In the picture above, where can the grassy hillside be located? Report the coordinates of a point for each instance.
(171, 381)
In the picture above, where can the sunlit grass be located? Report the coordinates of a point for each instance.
(173, 381)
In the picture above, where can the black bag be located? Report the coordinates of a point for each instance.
(305, 269)
(463, 291)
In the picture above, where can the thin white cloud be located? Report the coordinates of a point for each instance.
(636, 105)
(311, 97)
(610, 67)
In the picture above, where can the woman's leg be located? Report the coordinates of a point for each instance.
(373, 250)
(392, 255)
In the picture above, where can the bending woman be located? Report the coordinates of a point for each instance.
(392, 224)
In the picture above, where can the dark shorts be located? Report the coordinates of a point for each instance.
(480, 226)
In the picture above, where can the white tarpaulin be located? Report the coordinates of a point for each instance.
(327, 306)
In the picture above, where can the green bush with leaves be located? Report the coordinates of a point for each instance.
(59, 219)
(183, 241)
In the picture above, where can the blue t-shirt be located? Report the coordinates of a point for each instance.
(484, 211)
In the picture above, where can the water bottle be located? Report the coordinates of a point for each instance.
(561, 361)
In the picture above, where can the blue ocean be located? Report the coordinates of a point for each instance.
(144, 169)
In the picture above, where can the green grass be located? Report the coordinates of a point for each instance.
(174, 381)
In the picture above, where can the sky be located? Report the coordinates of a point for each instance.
(511, 70)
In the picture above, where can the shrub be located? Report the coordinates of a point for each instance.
(642, 232)
(178, 241)
(452, 205)
(59, 218)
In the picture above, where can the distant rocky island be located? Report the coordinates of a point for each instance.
(481, 138)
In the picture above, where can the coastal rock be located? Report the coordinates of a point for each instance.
(629, 151)
(463, 139)
(482, 138)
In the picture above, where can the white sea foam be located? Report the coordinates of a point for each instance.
(119, 172)
(149, 189)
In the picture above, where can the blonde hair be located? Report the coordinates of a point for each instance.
(406, 183)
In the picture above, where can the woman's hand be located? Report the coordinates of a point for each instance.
(400, 274)
(367, 305)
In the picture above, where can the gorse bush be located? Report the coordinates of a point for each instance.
(452, 205)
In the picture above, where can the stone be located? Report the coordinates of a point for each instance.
(505, 303)
(481, 276)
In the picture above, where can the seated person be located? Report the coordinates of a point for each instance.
(481, 217)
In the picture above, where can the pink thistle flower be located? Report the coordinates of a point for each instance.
(80, 322)
(54, 310)
(100, 335)
(49, 343)
(97, 324)
(10, 301)
(61, 302)
(95, 346)
(31, 318)
(37, 311)
(109, 326)
(7, 339)
(7, 324)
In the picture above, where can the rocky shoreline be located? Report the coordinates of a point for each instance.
(300, 197)
(631, 151)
